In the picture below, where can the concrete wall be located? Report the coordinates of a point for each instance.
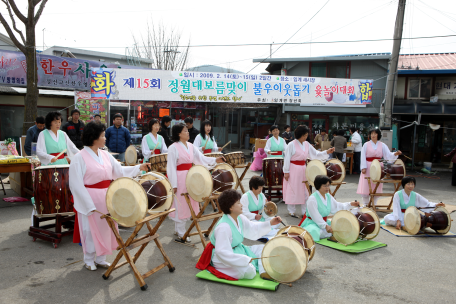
(58, 102)
(400, 88)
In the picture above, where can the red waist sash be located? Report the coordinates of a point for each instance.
(298, 162)
(371, 159)
(305, 216)
(403, 210)
(101, 185)
(256, 212)
(276, 153)
(60, 157)
(157, 151)
(204, 262)
(184, 167)
(207, 151)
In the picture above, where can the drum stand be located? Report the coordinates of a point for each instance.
(332, 184)
(373, 194)
(197, 218)
(43, 232)
(239, 181)
(133, 242)
(268, 192)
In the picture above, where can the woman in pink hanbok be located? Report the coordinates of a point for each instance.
(373, 149)
(91, 172)
(294, 169)
(181, 156)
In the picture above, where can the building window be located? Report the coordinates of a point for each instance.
(419, 88)
(333, 69)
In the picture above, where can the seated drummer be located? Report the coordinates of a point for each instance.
(404, 199)
(153, 143)
(275, 146)
(253, 203)
(206, 139)
(51, 142)
(225, 256)
(319, 205)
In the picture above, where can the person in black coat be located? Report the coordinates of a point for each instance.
(74, 128)
(193, 131)
(164, 130)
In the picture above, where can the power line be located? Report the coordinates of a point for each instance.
(263, 44)
(290, 37)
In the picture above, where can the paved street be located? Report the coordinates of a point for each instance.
(410, 270)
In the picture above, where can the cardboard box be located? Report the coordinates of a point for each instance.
(15, 182)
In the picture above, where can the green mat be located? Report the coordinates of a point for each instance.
(361, 246)
(256, 282)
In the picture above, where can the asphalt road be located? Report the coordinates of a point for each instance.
(408, 270)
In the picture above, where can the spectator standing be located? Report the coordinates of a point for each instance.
(164, 130)
(118, 138)
(287, 134)
(97, 118)
(321, 138)
(191, 130)
(74, 129)
(32, 134)
(339, 142)
(453, 160)
(358, 146)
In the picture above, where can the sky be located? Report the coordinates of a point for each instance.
(109, 26)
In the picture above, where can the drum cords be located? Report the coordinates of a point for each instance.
(302, 237)
(148, 193)
(223, 183)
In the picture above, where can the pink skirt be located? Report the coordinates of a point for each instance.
(294, 190)
(363, 186)
(181, 204)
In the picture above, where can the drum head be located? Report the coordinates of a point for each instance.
(225, 166)
(199, 183)
(126, 201)
(293, 229)
(52, 167)
(376, 222)
(442, 209)
(400, 162)
(165, 182)
(314, 167)
(214, 154)
(345, 227)
(375, 170)
(270, 209)
(131, 156)
(291, 262)
(341, 165)
(412, 220)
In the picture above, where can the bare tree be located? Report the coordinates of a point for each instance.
(27, 46)
(162, 45)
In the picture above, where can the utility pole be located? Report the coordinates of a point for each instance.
(392, 75)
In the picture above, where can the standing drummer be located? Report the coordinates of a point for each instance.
(51, 142)
(91, 172)
(181, 156)
(373, 149)
(225, 255)
(206, 139)
(153, 143)
(253, 203)
(275, 146)
(319, 205)
(404, 199)
(294, 168)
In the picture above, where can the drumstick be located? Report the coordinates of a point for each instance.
(265, 257)
(207, 140)
(153, 151)
(60, 154)
(106, 215)
(226, 144)
(406, 156)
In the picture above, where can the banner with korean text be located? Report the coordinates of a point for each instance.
(162, 85)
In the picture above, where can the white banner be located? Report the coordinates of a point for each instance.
(159, 85)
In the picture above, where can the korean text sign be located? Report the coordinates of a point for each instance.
(162, 85)
(53, 71)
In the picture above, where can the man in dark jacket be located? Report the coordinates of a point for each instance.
(74, 128)
(118, 137)
(193, 131)
(287, 135)
(164, 130)
(32, 135)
